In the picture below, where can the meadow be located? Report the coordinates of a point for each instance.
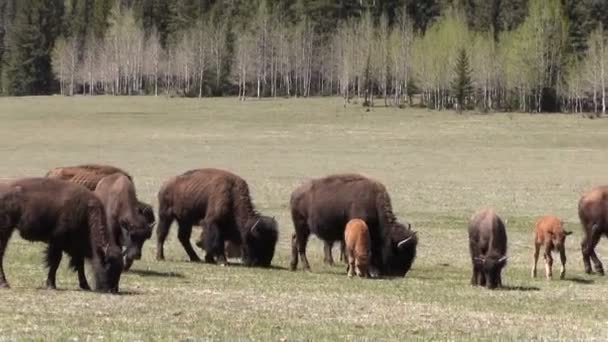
(439, 167)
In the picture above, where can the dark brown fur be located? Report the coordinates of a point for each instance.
(549, 232)
(488, 248)
(89, 175)
(323, 206)
(69, 218)
(593, 213)
(219, 201)
(129, 227)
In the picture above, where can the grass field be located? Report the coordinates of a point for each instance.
(438, 167)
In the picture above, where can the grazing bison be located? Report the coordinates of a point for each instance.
(69, 218)
(129, 227)
(89, 176)
(323, 206)
(356, 237)
(549, 232)
(220, 202)
(488, 247)
(593, 213)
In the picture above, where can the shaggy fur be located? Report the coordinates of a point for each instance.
(89, 175)
(323, 207)
(488, 247)
(549, 232)
(593, 213)
(356, 237)
(219, 201)
(129, 227)
(69, 218)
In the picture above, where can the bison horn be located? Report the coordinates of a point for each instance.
(404, 242)
(503, 259)
(254, 226)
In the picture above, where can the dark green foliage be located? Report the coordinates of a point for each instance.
(28, 66)
(462, 86)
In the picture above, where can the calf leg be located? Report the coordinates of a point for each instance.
(548, 263)
(535, 258)
(327, 257)
(162, 230)
(53, 259)
(562, 256)
(351, 264)
(183, 235)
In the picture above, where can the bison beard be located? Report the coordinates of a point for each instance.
(323, 207)
(69, 219)
(219, 201)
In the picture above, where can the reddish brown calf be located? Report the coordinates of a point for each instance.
(357, 243)
(549, 232)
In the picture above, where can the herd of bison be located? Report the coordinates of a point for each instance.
(92, 212)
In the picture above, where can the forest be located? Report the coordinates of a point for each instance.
(485, 55)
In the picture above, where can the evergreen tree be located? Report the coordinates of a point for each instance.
(28, 70)
(462, 86)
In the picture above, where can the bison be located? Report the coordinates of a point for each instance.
(220, 202)
(356, 238)
(328, 258)
(323, 206)
(89, 175)
(488, 247)
(549, 232)
(231, 249)
(69, 218)
(130, 229)
(593, 213)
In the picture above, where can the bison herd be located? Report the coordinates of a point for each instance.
(92, 212)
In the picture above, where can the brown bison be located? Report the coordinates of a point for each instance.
(69, 218)
(89, 175)
(593, 213)
(323, 206)
(219, 201)
(129, 227)
(488, 247)
(549, 232)
(356, 237)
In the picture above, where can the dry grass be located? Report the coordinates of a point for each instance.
(439, 167)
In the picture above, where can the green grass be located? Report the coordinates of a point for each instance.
(438, 167)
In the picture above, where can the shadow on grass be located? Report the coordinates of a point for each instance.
(519, 288)
(66, 290)
(151, 273)
(582, 281)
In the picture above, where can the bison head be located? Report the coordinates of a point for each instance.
(260, 242)
(133, 235)
(401, 252)
(491, 266)
(108, 269)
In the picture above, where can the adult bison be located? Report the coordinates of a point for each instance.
(488, 248)
(593, 213)
(69, 218)
(323, 207)
(219, 201)
(129, 227)
(89, 176)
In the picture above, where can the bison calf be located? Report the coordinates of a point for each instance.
(549, 232)
(357, 244)
(488, 247)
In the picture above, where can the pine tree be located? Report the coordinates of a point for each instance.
(28, 68)
(462, 86)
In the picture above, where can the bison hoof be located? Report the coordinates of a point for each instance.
(51, 287)
(4, 286)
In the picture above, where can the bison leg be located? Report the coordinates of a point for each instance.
(162, 230)
(183, 235)
(342, 252)
(328, 259)
(4, 237)
(535, 258)
(214, 244)
(562, 256)
(548, 263)
(299, 241)
(53, 259)
(78, 263)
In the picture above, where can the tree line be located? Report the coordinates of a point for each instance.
(490, 55)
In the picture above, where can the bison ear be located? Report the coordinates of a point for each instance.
(566, 232)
